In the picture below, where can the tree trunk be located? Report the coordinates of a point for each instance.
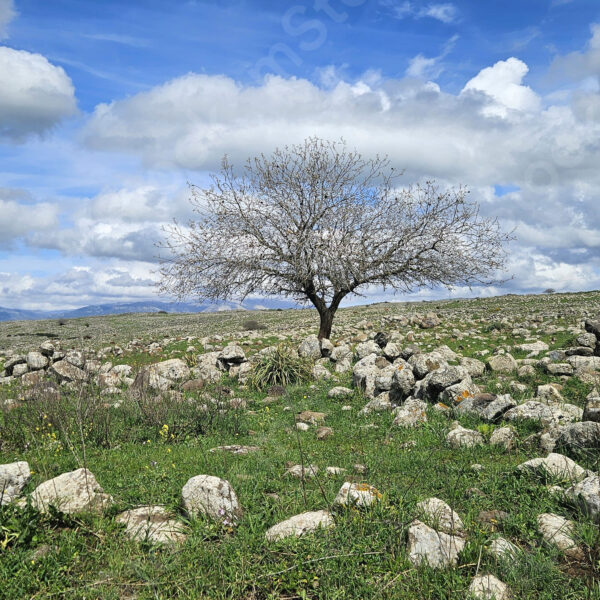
(326, 316)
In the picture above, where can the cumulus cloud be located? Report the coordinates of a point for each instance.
(192, 121)
(125, 224)
(19, 218)
(34, 94)
(579, 65)
(496, 132)
(78, 286)
(7, 14)
(503, 83)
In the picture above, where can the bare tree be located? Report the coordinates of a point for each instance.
(318, 222)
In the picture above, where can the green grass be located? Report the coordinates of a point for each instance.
(364, 556)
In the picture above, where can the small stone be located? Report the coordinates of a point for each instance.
(312, 417)
(502, 548)
(235, 449)
(335, 471)
(211, 496)
(492, 518)
(554, 465)
(340, 392)
(300, 525)
(557, 531)
(300, 472)
(151, 524)
(440, 516)
(323, 433)
(357, 494)
(459, 437)
(13, 478)
(504, 436)
(437, 549)
(488, 587)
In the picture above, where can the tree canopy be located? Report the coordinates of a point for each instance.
(317, 222)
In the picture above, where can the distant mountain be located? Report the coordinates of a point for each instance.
(150, 306)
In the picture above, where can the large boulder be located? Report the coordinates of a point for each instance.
(36, 361)
(310, 348)
(439, 380)
(366, 348)
(546, 414)
(488, 407)
(424, 363)
(174, 369)
(13, 478)
(66, 371)
(161, 376)
(583, 364)
(232, 354)
(533, 347)
(300, 525)
(76, 358)
(73, 492)
(475, 368)
(403, 381)
(576, 437)
(211, 496)
(371, 371)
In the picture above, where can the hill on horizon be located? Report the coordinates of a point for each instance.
(150, 306)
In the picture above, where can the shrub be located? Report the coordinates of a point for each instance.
(282, 367)
(253, 325)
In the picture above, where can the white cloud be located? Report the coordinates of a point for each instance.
(430, 68)
(580, 65)
(78, 285)
(7, 14)
(496, 131)
(20, 219)
(503, 83)
(123, 224)
(34, 94)
(445, 12)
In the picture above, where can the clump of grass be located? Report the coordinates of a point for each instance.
(282, 367)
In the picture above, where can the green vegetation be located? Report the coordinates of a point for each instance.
(143, 448)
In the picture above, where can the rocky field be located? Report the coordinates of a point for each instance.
(437, 450)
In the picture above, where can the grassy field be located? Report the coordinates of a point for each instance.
(143, 451)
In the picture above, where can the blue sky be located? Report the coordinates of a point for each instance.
(107, 109)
